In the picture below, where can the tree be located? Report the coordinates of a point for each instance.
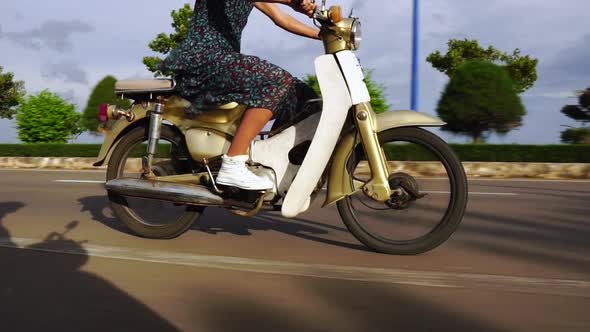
(11, 94)
(103, 93)
(163, 43)
(47, 118)
(522, 69)
(580, 112)
(480, 97)
(376, 91)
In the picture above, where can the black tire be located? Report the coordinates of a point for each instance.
(454, 213)
(119, 204)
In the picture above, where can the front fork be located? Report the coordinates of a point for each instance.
(366, 122)
(153, 138)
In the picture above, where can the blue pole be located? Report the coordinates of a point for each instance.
(415, 55)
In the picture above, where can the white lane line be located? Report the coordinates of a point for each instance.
(430, 178)
(428, 192)
(472, 193)
(493, 194)
(323, 189)
(578, 288)
(78, 181)
(52, 170)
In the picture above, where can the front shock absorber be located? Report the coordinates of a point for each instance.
(153, 138)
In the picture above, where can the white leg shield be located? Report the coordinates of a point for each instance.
(336, 104)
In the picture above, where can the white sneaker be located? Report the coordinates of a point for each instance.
(234, 173)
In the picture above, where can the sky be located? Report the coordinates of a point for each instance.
(67, 46)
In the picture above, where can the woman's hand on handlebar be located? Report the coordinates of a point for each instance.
(306, 7)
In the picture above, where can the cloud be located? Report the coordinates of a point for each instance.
(550, 94)
(69, 95)
(68, 70)
(548, 30)
(52, 34)
(573, 61)
(358, 5)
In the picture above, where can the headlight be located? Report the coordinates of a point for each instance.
(356, 35)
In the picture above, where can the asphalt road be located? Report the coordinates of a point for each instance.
(519, 262)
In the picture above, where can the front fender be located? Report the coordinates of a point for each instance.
(340, 183)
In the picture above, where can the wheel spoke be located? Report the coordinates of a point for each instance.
(149, 217)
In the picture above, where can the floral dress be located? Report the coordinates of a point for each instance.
(209, 67)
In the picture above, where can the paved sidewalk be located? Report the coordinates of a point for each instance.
(473, 169)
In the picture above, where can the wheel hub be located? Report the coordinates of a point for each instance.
(405, 191)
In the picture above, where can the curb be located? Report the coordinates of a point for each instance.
(473, 169)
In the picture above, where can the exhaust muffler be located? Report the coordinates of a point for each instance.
(165, 191)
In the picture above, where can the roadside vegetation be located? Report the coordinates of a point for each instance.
(580, 113)
(103, 93)
(574, 153)
(47, 118)
(481, 98)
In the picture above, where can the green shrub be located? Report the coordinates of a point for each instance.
(479, 99)
(500, 153)
(576, 136)
(49, 150)
(376, 91)
(466, 152)
(67, 150)
(47, 118)
(103, 93)
(11, 94)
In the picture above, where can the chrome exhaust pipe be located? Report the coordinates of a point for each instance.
(166, 191)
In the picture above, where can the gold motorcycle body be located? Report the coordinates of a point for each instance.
(300, 157)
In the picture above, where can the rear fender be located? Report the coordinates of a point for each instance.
(117, 130)
(223, 120)
(340, 183)
(174, 115)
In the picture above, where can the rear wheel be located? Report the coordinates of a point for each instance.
(148, 217)
(408, 224)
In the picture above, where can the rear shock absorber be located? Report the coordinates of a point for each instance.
(153, 139)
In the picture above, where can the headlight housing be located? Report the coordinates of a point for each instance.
(356, 35)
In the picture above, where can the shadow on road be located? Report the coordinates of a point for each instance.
(311, 304)
(100, 210)
(215, 221)
(45, 291)
(5, 209)
(552, 235)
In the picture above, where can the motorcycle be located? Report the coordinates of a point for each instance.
(344, 147)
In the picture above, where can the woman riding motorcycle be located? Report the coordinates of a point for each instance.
(209, 69)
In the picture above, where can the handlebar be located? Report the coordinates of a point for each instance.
(333, 14)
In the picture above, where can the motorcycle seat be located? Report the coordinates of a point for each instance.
(155, 86)
(141, 87)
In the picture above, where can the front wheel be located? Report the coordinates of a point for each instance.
(408, 224)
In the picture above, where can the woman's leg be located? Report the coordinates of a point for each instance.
(252, 123)
(263, 86)
(233, 171)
